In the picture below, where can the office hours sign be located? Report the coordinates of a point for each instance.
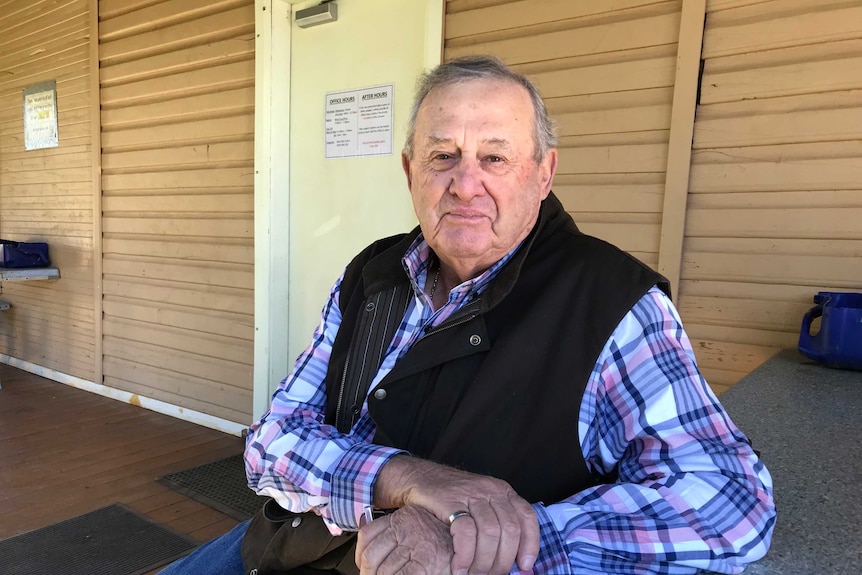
(40, 116)
(358, 123)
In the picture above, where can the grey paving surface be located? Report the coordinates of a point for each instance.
(806, 421)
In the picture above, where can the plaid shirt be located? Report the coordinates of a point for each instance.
(691, 493)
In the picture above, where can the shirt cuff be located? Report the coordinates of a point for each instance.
(552, 559)
(352, 483)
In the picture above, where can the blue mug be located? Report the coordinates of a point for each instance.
(839, 341)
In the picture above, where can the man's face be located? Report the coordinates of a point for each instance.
(475, 184)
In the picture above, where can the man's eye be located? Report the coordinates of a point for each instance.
(494, 159)
(443, 157)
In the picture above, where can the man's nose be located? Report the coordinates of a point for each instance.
(467, 180)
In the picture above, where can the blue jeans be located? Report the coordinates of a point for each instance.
(221, 556)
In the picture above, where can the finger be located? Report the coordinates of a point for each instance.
(463, 532)
(369, 532)
(528, 546)
(510, 537)
(374, 543)
(396, 562)
(374, 554)
(487, 537)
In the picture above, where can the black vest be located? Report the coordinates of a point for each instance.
(496, 389)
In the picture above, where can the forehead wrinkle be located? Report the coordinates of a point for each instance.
(493, 141)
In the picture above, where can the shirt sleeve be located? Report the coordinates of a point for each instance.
(690, 493)
(304, 464)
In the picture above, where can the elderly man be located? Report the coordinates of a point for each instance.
(515, 395)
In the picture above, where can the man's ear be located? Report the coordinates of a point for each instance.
(405, 165)
(547, 170)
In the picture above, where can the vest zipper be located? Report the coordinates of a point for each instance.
(341, 395)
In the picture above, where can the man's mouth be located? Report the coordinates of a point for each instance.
(467, 216)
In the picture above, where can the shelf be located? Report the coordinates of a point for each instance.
(28, 274)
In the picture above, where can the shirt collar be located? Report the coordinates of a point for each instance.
(419, 257)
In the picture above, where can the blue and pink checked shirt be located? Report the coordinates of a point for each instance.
(691, 493)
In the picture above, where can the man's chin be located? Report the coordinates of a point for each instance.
(464, 245)
(466, 251)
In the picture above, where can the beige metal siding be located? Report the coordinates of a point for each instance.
(177, 89)
(606, 70)
(775, 200)
(47, 195)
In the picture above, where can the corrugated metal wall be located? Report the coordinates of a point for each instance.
(177, 90)
(606, 70)
(775, 196)
(46, 195)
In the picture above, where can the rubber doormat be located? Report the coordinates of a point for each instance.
(113, 540)
(221, 484)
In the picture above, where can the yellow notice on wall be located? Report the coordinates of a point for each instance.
(40, 116)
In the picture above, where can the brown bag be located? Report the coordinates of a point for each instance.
(280, 541)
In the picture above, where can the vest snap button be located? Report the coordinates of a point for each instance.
(475, 339)
(296, 521)
(380, 394)
(369, 306)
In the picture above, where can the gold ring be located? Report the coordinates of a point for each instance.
(456, 515)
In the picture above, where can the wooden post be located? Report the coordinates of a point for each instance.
(271, 193)
(96, 151)
(679, 147)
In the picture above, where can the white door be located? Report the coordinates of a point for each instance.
(320, 212)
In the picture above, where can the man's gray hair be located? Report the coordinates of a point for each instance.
(482, 68)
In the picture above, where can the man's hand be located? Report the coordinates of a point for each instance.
(500, 529)
(410, 541)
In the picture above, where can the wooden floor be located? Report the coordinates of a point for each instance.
(64, 452)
